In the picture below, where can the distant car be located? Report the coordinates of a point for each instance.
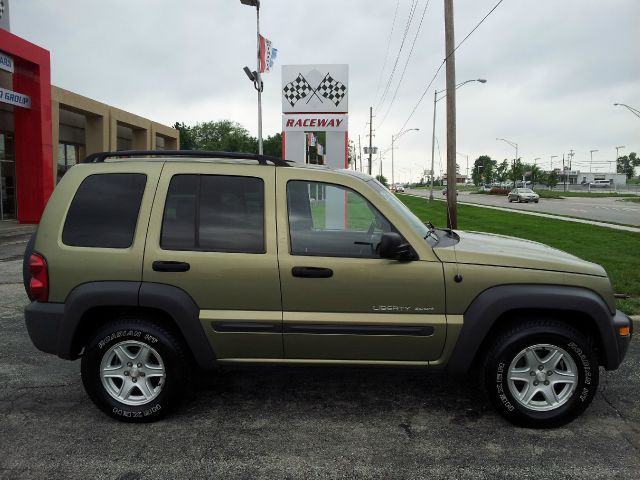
(399, 189)
(523, 195)
(600, 184)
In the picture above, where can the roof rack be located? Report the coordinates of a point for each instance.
(100, 157)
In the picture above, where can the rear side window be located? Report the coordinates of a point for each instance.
(214, 213)
(104, 211)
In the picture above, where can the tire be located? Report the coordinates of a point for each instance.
(536, 201)
(154, 385)
(537, 401)
(509, 198)
(26, 274)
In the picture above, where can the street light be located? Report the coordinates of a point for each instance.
(433, 135)
(591, 163)
(551, 164)
(464, 155)
(255, 76)
(393, 139)
(635, 111)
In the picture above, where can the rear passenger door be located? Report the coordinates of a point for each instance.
(209, 236)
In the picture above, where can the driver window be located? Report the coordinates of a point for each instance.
(333, 221)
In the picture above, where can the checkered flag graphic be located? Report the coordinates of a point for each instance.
(332, 89)
(1, 8)
(296, 90)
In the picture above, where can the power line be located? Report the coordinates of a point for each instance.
(406, 63)
(443, 62)
(474, 28)
(386, 55)
(414, 4)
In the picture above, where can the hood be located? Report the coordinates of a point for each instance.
(499, 250)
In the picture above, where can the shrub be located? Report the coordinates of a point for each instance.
(499, 191)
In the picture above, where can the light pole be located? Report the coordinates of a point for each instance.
(551, 164)
(635, 111)
(255, 76)
(463, 155)
(617, 157)
(591, 163)
(514, 145)
(393, 139)
(433, 135)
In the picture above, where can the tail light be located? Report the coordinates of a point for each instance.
(39, 283)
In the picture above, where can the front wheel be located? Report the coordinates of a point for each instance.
(541, 374)
(134, 370)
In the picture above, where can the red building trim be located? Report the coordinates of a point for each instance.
(32, 127)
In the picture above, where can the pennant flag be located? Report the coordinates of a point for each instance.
(268, 54)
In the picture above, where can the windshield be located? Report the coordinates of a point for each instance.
(403, 211)
(525, 190)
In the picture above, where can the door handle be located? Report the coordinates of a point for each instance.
(311, 272)
(170, 266)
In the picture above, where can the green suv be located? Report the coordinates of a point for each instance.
(153, 267)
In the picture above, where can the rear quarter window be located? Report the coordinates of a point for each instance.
(104, 211)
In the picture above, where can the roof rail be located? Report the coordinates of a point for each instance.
(100, 157)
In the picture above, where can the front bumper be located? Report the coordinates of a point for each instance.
(43, 324)
(622, 320)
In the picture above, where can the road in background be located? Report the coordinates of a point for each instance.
(606, 209)
(295, 423)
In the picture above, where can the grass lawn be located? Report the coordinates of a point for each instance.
(616, 250)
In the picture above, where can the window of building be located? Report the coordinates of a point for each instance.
(67, 157)
(333, 221)
(104, 211)
(214, 213)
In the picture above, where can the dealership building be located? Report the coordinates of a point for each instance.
(45, 130)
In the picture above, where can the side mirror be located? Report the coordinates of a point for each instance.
(391, 247)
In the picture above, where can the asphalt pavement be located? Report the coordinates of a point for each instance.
(294, 423)
(605, 209)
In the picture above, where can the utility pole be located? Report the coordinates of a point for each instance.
(370, 137)
(591, 163)
(360, 149)
(433, 142)
(392, 165)
(564, 172)
(552, 157)
(452, 177)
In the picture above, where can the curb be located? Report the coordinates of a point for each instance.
(636, 323)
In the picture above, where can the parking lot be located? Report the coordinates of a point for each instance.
(294, 422)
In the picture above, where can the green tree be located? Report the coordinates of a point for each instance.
(383, 180)
(502, 170)
(552, 179)
(483, 169)
(223, 136)
(272, 145)
(186, 137)
(627, 164)
(517, 171)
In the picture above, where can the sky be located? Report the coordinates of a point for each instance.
(554, 68)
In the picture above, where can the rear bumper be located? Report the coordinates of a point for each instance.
(621, 320)
(43, 324)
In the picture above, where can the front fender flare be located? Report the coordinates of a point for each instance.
(489, 305)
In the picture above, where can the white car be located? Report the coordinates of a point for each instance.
(523, 195)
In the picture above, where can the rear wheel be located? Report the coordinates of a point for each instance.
(541, 374)
(134, 370)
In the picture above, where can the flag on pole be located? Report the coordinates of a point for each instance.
(268, 54)
(311, 139)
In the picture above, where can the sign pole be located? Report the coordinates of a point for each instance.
(259, 79)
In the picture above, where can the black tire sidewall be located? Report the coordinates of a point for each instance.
(157, 338)
(497, 367)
